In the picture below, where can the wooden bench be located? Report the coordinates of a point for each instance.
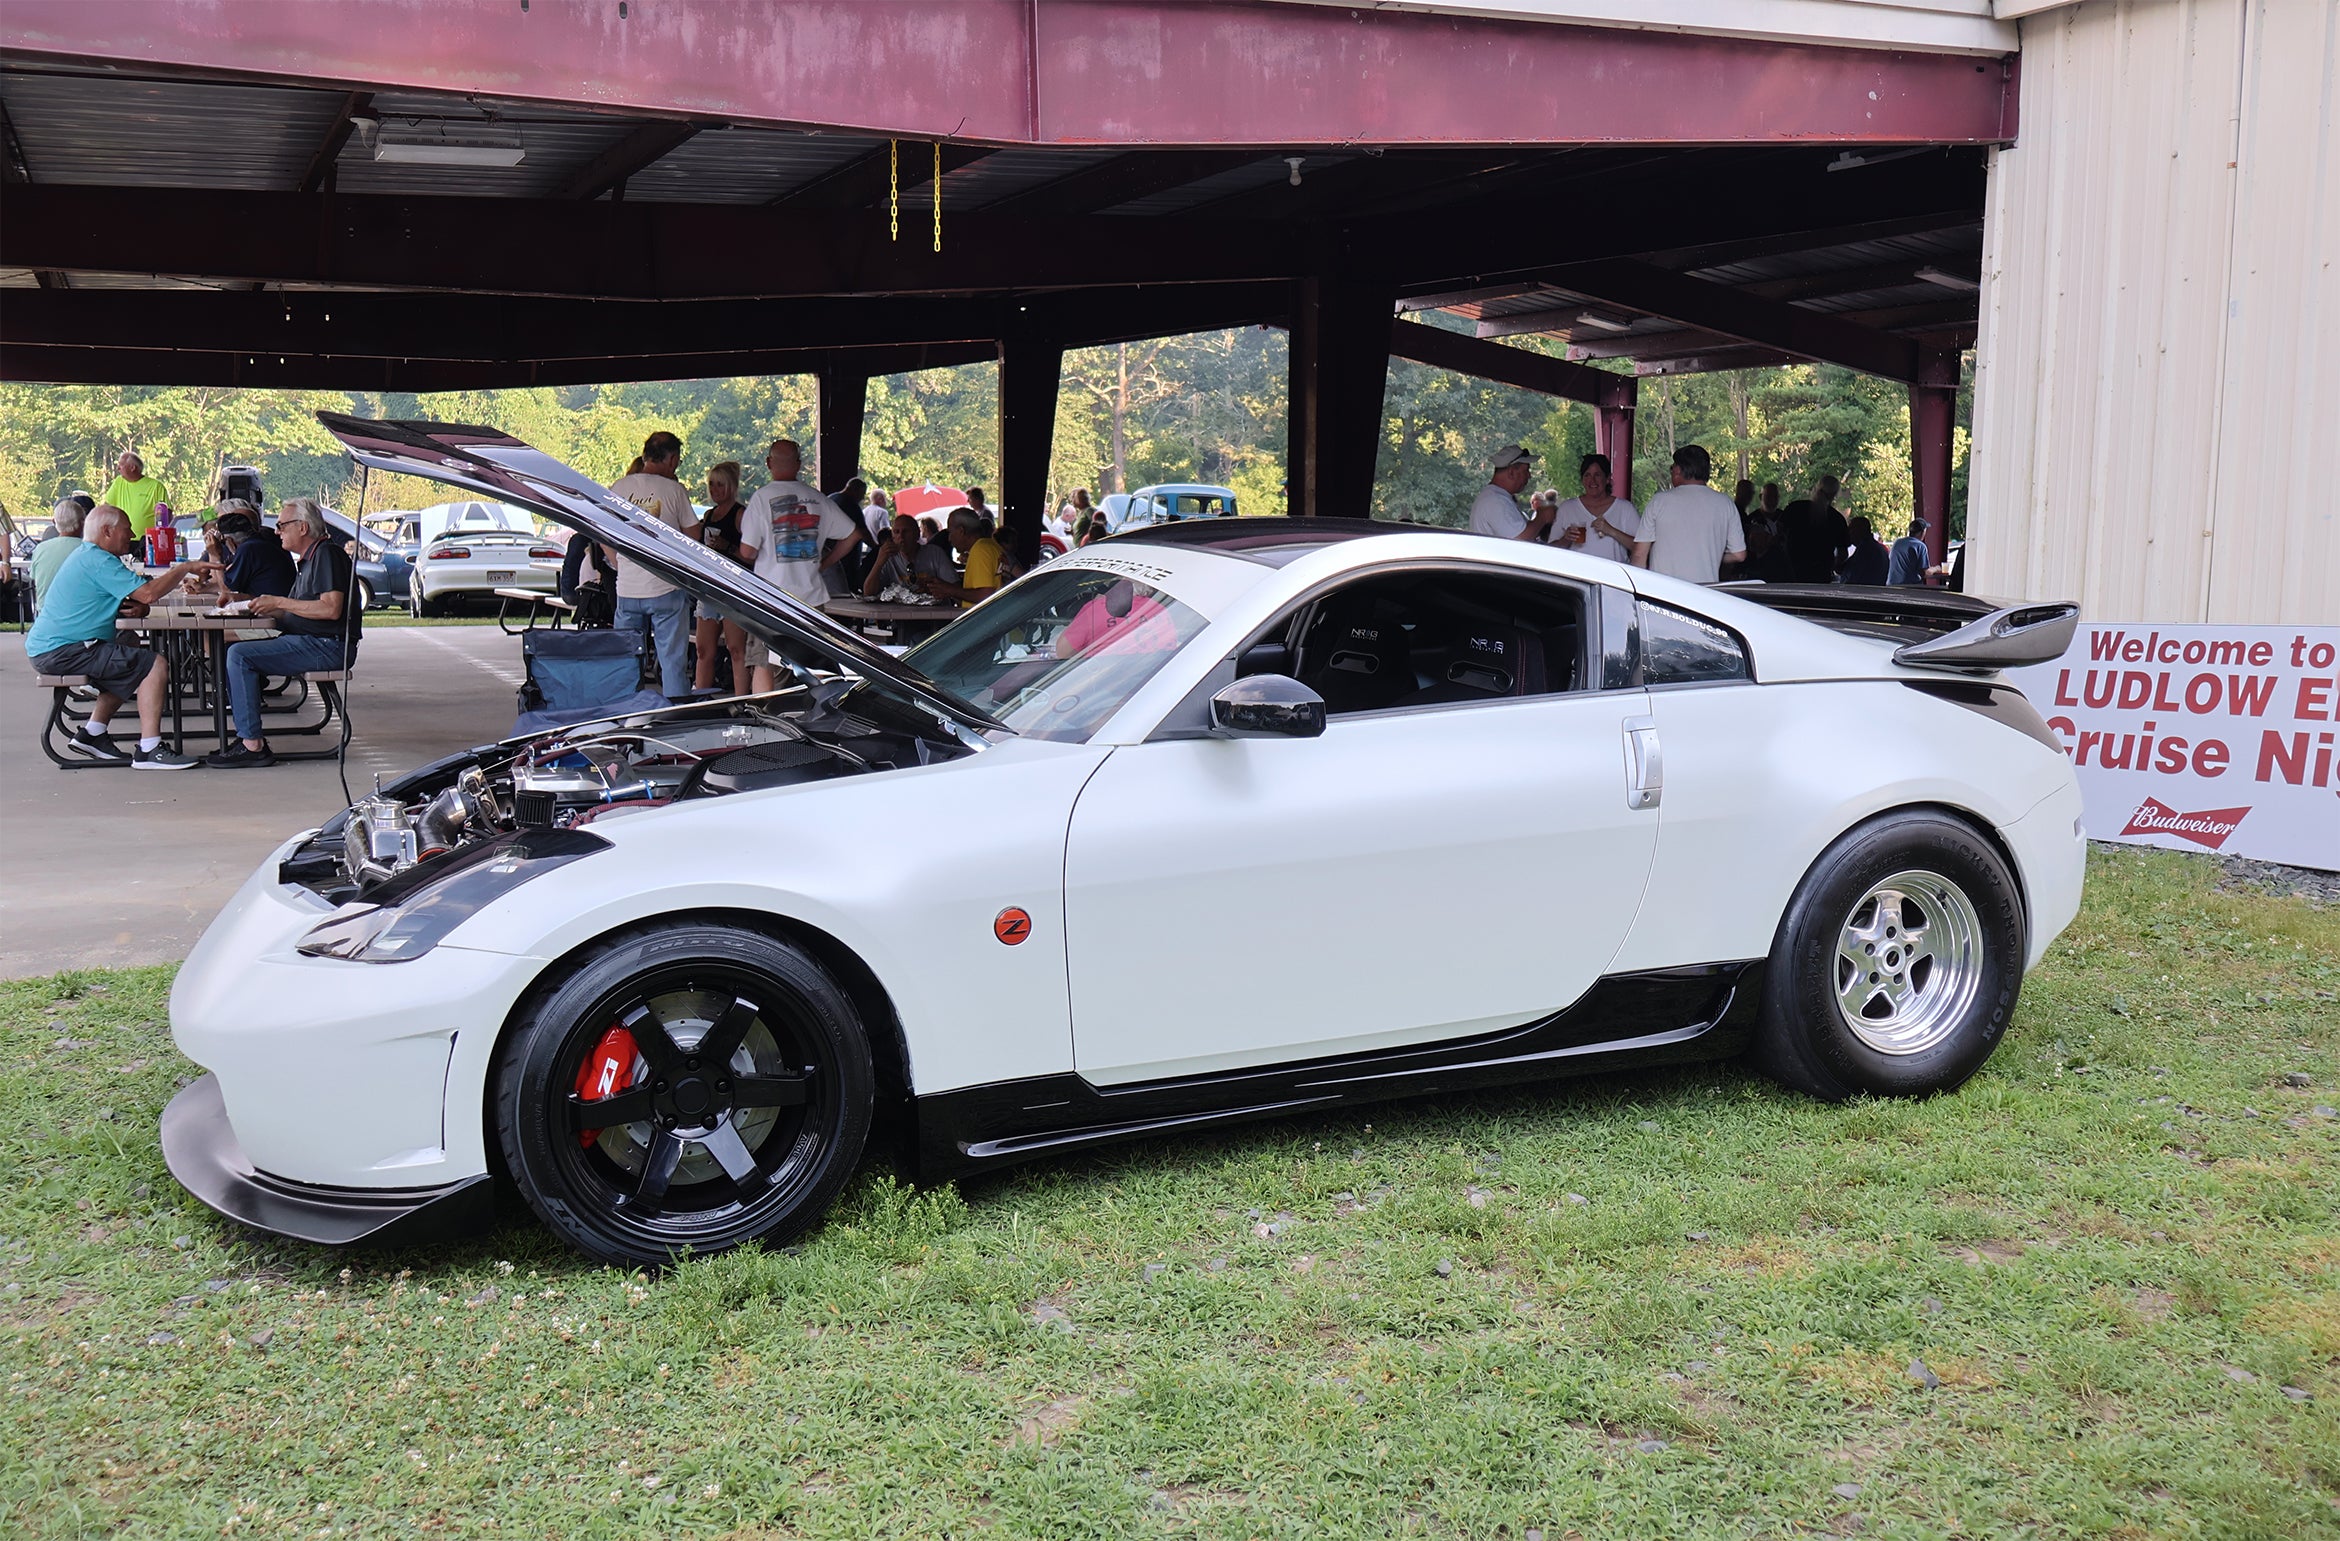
(62, 721)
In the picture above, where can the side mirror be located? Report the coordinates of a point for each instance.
(1267, 706)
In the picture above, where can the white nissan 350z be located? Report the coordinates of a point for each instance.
(1223, 820)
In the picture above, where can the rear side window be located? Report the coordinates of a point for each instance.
(1678, 648)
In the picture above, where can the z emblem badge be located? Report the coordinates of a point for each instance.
(1011, 925)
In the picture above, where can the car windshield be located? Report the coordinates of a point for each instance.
(1060, 652)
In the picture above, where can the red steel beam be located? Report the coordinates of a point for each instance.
(1106, 72)
(637, 251)
(1441, 349)
(644, 147)
(165, 366)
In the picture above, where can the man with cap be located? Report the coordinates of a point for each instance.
(257, 562)
(1495, 511)
(1907, 564)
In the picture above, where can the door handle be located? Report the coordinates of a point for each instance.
(1645, 766)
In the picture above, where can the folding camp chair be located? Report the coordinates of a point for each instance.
(574, 675)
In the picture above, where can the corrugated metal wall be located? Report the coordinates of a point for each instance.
(2157, 385)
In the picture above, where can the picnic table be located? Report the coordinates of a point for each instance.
(537, 601)
(188, 631)
(853, 608)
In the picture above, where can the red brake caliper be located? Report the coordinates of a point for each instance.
(608, 1070)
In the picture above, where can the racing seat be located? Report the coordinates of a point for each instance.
(1359, 657)
(1484, 660)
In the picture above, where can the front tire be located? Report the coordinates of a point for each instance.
(1896, 968)
(748, 1109)
(365, 596)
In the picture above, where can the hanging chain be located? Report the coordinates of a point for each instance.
(937, 186)
(894, 188)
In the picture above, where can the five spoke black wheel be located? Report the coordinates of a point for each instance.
(685, 1089)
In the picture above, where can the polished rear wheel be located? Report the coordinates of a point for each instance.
(1908, 962)
(1897, 965)
(685, 1090)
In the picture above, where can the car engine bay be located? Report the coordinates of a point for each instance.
(573, 778)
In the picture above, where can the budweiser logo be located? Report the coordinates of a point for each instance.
(2209, 828)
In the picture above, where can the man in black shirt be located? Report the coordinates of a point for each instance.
(1867, 561)
(1816, 534)
(318, 624)
(257, 562)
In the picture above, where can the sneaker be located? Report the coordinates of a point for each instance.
(236, 756)
(160, 757)
(103, 750)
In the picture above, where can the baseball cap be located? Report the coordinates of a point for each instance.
(1511, 455)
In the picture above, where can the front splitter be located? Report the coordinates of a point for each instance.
(199, 1146)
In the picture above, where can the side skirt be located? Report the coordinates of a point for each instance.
(1656, 1017)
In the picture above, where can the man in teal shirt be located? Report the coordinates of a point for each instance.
(135, 493)
(75, 634)
(50, 554)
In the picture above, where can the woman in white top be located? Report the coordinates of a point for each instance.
(1597, 522)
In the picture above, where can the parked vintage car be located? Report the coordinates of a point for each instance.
(1404, 810)
(468, 550)
(1168, 503)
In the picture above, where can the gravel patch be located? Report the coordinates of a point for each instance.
(2268, 879)
(2277, 881)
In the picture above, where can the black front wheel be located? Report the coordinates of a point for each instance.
(685, 1090)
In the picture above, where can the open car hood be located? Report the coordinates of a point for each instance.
(493, 464)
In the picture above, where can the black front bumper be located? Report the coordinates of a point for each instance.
(200, 1148)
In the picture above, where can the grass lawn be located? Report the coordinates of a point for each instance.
(1680, 1304)
(399, 615)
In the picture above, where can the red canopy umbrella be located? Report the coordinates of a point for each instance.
(926, 499)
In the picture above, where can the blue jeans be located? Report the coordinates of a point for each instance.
(248, 661)
(668, 618)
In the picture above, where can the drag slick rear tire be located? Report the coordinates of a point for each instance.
(1897, 965)
(684, 1089)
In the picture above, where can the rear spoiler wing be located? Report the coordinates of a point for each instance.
(2004, 639)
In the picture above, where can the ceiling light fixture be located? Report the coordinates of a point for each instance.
(1847, 160)
(1958, 281)
(438, 143)
(1294, 161)
(1603, 323)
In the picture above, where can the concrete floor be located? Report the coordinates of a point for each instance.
(107, 868)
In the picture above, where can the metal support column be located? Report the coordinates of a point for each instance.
(844, 397)
(1340, 368)
(1933, 412)
(1613, 436)
(1029, 370)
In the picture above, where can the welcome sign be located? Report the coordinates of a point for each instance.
(2219, 738)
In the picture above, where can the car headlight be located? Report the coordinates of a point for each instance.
(414, 911)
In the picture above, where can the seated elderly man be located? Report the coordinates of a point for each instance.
(319, 629)
(902, 561)
(257, 562)
(50, 554)
(75, 634)
(981, 554)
